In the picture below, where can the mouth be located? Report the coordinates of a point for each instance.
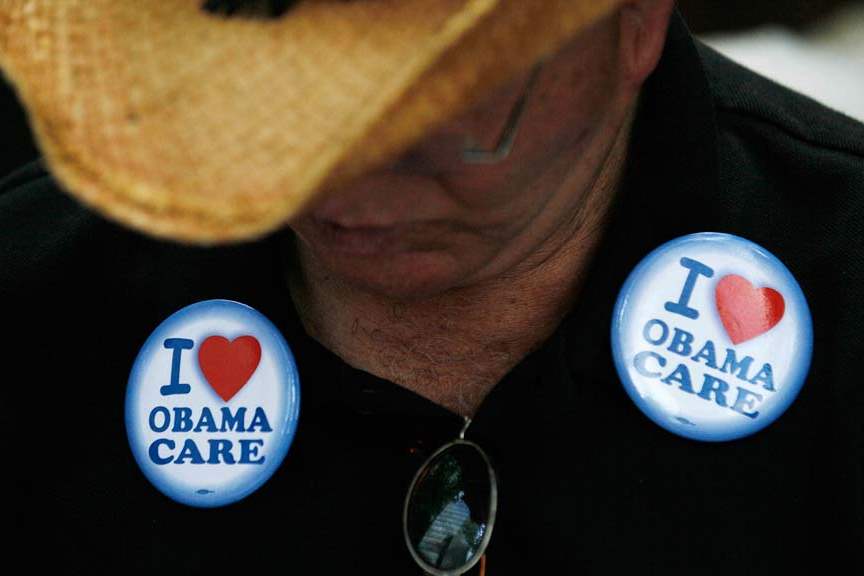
(354, 240)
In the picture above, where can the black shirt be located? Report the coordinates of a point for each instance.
(587, 483)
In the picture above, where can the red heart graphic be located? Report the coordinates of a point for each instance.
(229, 365)
(746, 311)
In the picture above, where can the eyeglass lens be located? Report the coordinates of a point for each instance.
(451, 508)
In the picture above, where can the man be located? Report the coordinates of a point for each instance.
(435, 288)
(458, 239)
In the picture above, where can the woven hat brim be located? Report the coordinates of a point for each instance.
(207, 130)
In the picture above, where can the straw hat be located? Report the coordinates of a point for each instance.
(206, 129)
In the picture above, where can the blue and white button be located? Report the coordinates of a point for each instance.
(212, 403)
(712, 337)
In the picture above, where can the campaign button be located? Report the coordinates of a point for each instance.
(712, 337)
(212, 403)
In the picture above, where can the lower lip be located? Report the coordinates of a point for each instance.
(355, 240)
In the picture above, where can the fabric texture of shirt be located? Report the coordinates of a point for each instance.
(588, 484)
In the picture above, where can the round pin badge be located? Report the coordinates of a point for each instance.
(712, 337)
(212, 403)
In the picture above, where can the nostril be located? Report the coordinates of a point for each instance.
(438, 153)
(412, 162)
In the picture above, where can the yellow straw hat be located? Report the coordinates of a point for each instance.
(193, 126)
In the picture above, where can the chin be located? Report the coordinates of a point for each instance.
(406, 276)
(407, 262)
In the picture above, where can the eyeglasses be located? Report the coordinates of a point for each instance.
(471, 154)
(450, 508)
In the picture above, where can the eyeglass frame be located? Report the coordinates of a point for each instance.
(471, 154)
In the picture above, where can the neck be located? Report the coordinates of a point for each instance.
(454, 347)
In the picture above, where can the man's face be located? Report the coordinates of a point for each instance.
(430, 222)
